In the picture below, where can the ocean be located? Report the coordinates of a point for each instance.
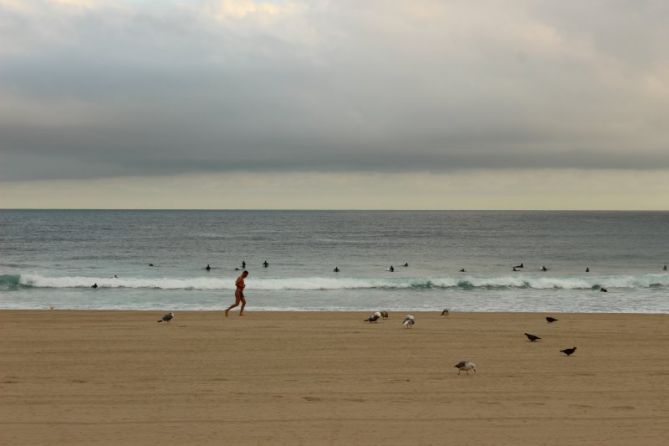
(51, 258)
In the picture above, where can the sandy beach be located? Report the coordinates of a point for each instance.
(120, 378)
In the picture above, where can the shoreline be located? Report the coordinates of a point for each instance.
(99, 377)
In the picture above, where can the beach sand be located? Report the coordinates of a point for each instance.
(120, 378)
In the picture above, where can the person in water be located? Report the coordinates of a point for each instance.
(239, 294)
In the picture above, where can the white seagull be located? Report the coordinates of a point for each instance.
(465, 366)
(409, 321)
(168, 317)
(374, 317)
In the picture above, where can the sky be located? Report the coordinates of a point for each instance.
(343, 104)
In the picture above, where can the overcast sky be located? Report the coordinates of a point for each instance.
(342, 104)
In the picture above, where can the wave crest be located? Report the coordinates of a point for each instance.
(12, 282)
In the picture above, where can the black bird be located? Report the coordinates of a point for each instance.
(168, 317)
(531, 337)
(603, 290)
(265, 263)
(336, 269)
(550, 320)
(95, 285)
(568, 351)
(445, 312)
(208, 268)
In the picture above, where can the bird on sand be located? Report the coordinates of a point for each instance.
(532, 338)
(384, 314)
(550, 319)
(445, 312)
(568, 351)
(373, 317)
(409, 321)
(465, 366)
(168, 317)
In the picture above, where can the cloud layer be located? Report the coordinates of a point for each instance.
(92, 89)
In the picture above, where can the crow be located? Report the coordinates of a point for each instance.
(531, 337)
(568, 351)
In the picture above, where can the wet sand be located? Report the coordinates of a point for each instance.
(120, 378)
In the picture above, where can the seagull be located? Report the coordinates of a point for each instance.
(465, 366)
(568, 351)
(445, 312)
(531, 337)
(384, 314)
(374, 317)
(409, 321)
(550, 320)
(168, 317)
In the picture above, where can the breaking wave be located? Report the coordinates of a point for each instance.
(14, 282)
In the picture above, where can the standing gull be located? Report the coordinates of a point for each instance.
(374, 317)
(409, 321)
(168, 317)
(465, 366)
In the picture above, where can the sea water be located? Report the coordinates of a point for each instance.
(52, 258)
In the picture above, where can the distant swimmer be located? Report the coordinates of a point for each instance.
(406, 264)
(603, 290)
(391, 269)
(336, 269)
(208, 268)
(243, 264)
(532, 338)
(151, 264)
(239, 294)
(587, 269)
(519, 266)
(664, 268)
(95, 285)
(168, 317)
(445, 312)
(550, 319)
(544, 269)
(115, 276)
(265, 264)
(568, 351)
(514, 269)
(462, 270)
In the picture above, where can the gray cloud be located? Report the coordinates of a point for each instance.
(163, 88)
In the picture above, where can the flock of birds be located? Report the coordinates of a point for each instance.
(463, 366)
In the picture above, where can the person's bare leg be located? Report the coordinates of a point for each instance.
(231, 307)
(241, 311)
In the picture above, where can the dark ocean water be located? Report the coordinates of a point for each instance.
(51, 258)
